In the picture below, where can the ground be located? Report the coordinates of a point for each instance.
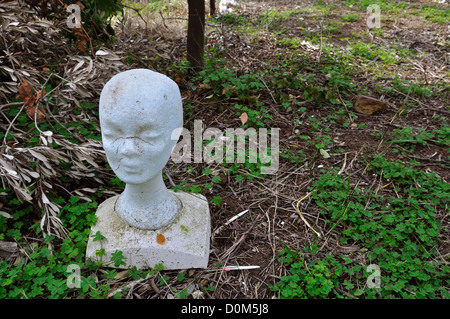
(298, 66)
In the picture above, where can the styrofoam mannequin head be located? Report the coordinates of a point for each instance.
(139, 109)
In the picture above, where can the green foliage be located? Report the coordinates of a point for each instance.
(385, 5)
(98, 12)
(408, 138)
(291, 43)
(274, 17)
(257, 117)
(105, 9)
(73, 131)
(443, 135)
(317, 278)
(224, 81)
(408, 87)
(372, 51)
(118, 258)
(433, 13)
(78, 215)
(42, 272)
(217, 200)
(399, 233)
(295, 157)
(230, 18)
(153, 6)
(351, 17)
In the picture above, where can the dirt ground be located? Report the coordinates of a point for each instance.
(272, 221)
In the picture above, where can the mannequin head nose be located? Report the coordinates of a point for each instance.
(129, 147)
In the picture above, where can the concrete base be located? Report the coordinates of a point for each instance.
(181, 245)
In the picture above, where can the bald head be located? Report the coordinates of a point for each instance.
(139, 110)
(142, 95)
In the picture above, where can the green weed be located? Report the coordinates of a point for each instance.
(351, 17)
(42, 271)
(433, 13)
(400, 234)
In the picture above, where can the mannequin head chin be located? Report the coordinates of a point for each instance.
(138, 179)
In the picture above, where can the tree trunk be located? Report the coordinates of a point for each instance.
(196, 33)
(212, 7)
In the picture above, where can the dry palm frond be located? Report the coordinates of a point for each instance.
(29, 47)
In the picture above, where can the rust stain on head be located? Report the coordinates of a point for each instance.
(111, 95)
(115, 91)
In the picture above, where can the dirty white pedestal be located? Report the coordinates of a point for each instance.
(181, 245)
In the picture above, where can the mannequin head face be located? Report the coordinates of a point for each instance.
(139, 110)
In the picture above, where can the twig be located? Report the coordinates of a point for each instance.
(343, 165)
(320, 49)
(232, 268)
(268, 90)
(139, 14)
(424, 105)
(37, 104)
(229, 221)
(129, 285)
(168, 176)
(12, 122)
(21, 109)
(163, 20)
(268, 231)
(301, 216)
(345, 105)
(230, 250)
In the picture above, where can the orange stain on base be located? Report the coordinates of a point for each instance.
(160, 239)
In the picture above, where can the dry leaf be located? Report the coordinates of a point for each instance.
(39, 94)
(204, 86)
(30, 99)
(228, 90)
(24, 90)
(324, 153)
(121, 275)
(82, 39)
(40, 113)
(43, 140)
(82, 44)
(82, 7)
(101, 52)
(25, 93)
(178, 80)
(37, 155)
(243, 118)
(5, 214)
